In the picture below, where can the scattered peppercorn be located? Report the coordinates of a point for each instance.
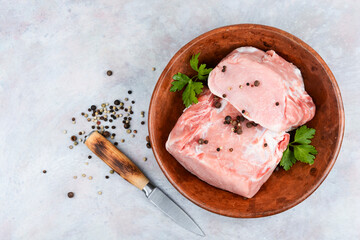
(223, 69)
(230, 149)
(265, 144)
(247, 84)
(148, 145)
(142, 122)
(129, 92)
(206, 141)
(71, 194)
(132, 101)
(147, 138)
(111, 171)
(145, 159)
(89, 157)
(107, 177)
(256, 83)
(218, 149)
(106, 134)
(93, 107)
(224, 95)
(116, 143)
(73, 138)
(217, 104)
(243, 111)
(201, 141)
(109, 72)
(44, 171)
(277, 103)
(227, 118)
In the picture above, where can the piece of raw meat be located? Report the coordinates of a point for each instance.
(266, 88)
(239, 163)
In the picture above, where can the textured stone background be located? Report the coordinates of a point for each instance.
(53, 59)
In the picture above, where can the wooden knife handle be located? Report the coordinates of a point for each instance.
(112, 156)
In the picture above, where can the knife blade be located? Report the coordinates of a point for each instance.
(113, 157)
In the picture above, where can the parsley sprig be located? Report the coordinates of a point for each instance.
(193, 87)
(299, 149)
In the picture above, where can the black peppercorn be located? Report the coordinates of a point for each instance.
(93, 107)
(71, 194)
(116, 102)
(239, 131)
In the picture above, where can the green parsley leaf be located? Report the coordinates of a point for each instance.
(189, 95)
(194, 62)
(305, 153)
(288, 159)
(180, 81)
(193, 88)
(203, 72)
(304, 134)
(302, 150)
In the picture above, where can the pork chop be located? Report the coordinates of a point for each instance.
(265, 87)
(216, 151)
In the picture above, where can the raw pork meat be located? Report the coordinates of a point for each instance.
(239, 163)
(266, 88)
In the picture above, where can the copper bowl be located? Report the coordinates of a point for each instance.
(284, 189)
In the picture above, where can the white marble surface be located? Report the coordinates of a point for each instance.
(53, 58)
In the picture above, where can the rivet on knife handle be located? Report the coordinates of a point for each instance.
(112, 156)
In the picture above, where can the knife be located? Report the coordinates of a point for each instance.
(113, 157)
